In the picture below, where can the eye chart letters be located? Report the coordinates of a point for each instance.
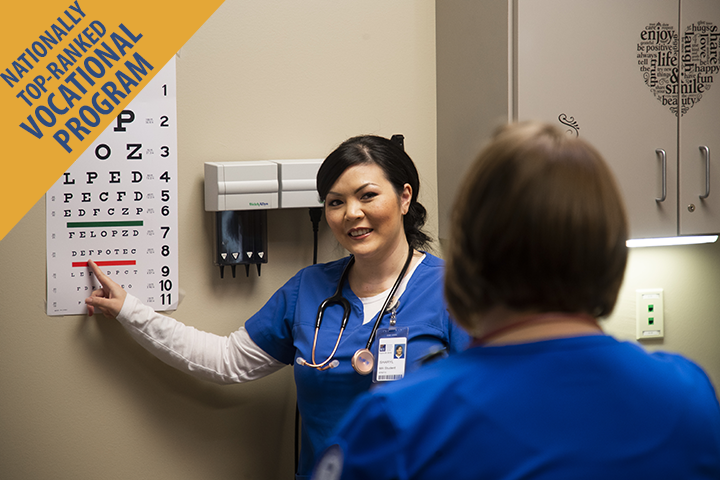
(117, 205)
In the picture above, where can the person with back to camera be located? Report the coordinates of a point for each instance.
(369, 186)
(537, 255)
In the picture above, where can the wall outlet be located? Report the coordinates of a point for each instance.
(649, 316)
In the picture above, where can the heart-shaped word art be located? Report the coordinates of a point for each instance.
(679, 71)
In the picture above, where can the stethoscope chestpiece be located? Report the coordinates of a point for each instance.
(363, 361)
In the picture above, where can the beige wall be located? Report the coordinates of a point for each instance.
(260, 80)
(690, 279)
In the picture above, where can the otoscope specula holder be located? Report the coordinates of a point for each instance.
(241, 193)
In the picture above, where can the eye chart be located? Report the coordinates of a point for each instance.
(117, 205)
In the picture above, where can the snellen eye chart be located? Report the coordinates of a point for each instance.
(117, 205)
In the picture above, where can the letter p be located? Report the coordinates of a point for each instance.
(62, 137)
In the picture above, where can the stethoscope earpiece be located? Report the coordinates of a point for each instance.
(301, 361)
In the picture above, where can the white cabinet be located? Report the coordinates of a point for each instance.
(635, 78)
(699, 127)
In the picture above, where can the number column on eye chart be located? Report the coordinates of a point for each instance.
(117, 205)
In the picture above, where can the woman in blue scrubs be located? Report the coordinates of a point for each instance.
(370, 188)
(537, 255)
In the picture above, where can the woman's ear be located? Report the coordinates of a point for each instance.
(405, 198)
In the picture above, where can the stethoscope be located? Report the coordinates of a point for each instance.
(363, 360)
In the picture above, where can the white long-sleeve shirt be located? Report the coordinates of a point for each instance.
(221, 359)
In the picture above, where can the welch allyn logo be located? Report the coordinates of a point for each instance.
(259, 204)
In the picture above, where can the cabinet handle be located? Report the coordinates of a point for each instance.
(706, 153)
(663, 157)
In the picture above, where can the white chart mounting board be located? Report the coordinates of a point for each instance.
(117, 205)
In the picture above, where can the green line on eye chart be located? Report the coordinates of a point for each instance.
(128, 223)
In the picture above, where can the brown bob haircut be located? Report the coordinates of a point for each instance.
(538, 226)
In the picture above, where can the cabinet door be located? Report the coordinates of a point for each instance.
(700, 119)
(592, 67)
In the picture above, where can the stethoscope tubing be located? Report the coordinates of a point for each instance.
(337, 298)
(389, 298)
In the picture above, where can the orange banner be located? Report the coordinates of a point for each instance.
(67, 69)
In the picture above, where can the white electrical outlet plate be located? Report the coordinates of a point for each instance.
(650, 313)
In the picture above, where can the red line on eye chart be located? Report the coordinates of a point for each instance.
(108, 263)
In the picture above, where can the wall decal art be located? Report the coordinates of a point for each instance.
(679, 70)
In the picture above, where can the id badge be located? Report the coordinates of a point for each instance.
(391, 355)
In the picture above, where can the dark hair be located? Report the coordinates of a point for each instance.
(539, 225)
(399, 170)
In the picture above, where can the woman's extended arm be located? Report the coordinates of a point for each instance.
(220, 359)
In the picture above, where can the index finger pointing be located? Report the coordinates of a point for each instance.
(102, 278)
(108, 285)
(93, 266)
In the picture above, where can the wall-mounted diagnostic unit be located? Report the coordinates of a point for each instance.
(241, 193)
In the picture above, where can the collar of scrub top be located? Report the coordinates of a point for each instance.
(363, 360)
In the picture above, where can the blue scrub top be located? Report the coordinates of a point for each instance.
(590, 408)
(285, 328)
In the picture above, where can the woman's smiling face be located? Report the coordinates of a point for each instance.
(365, 212)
